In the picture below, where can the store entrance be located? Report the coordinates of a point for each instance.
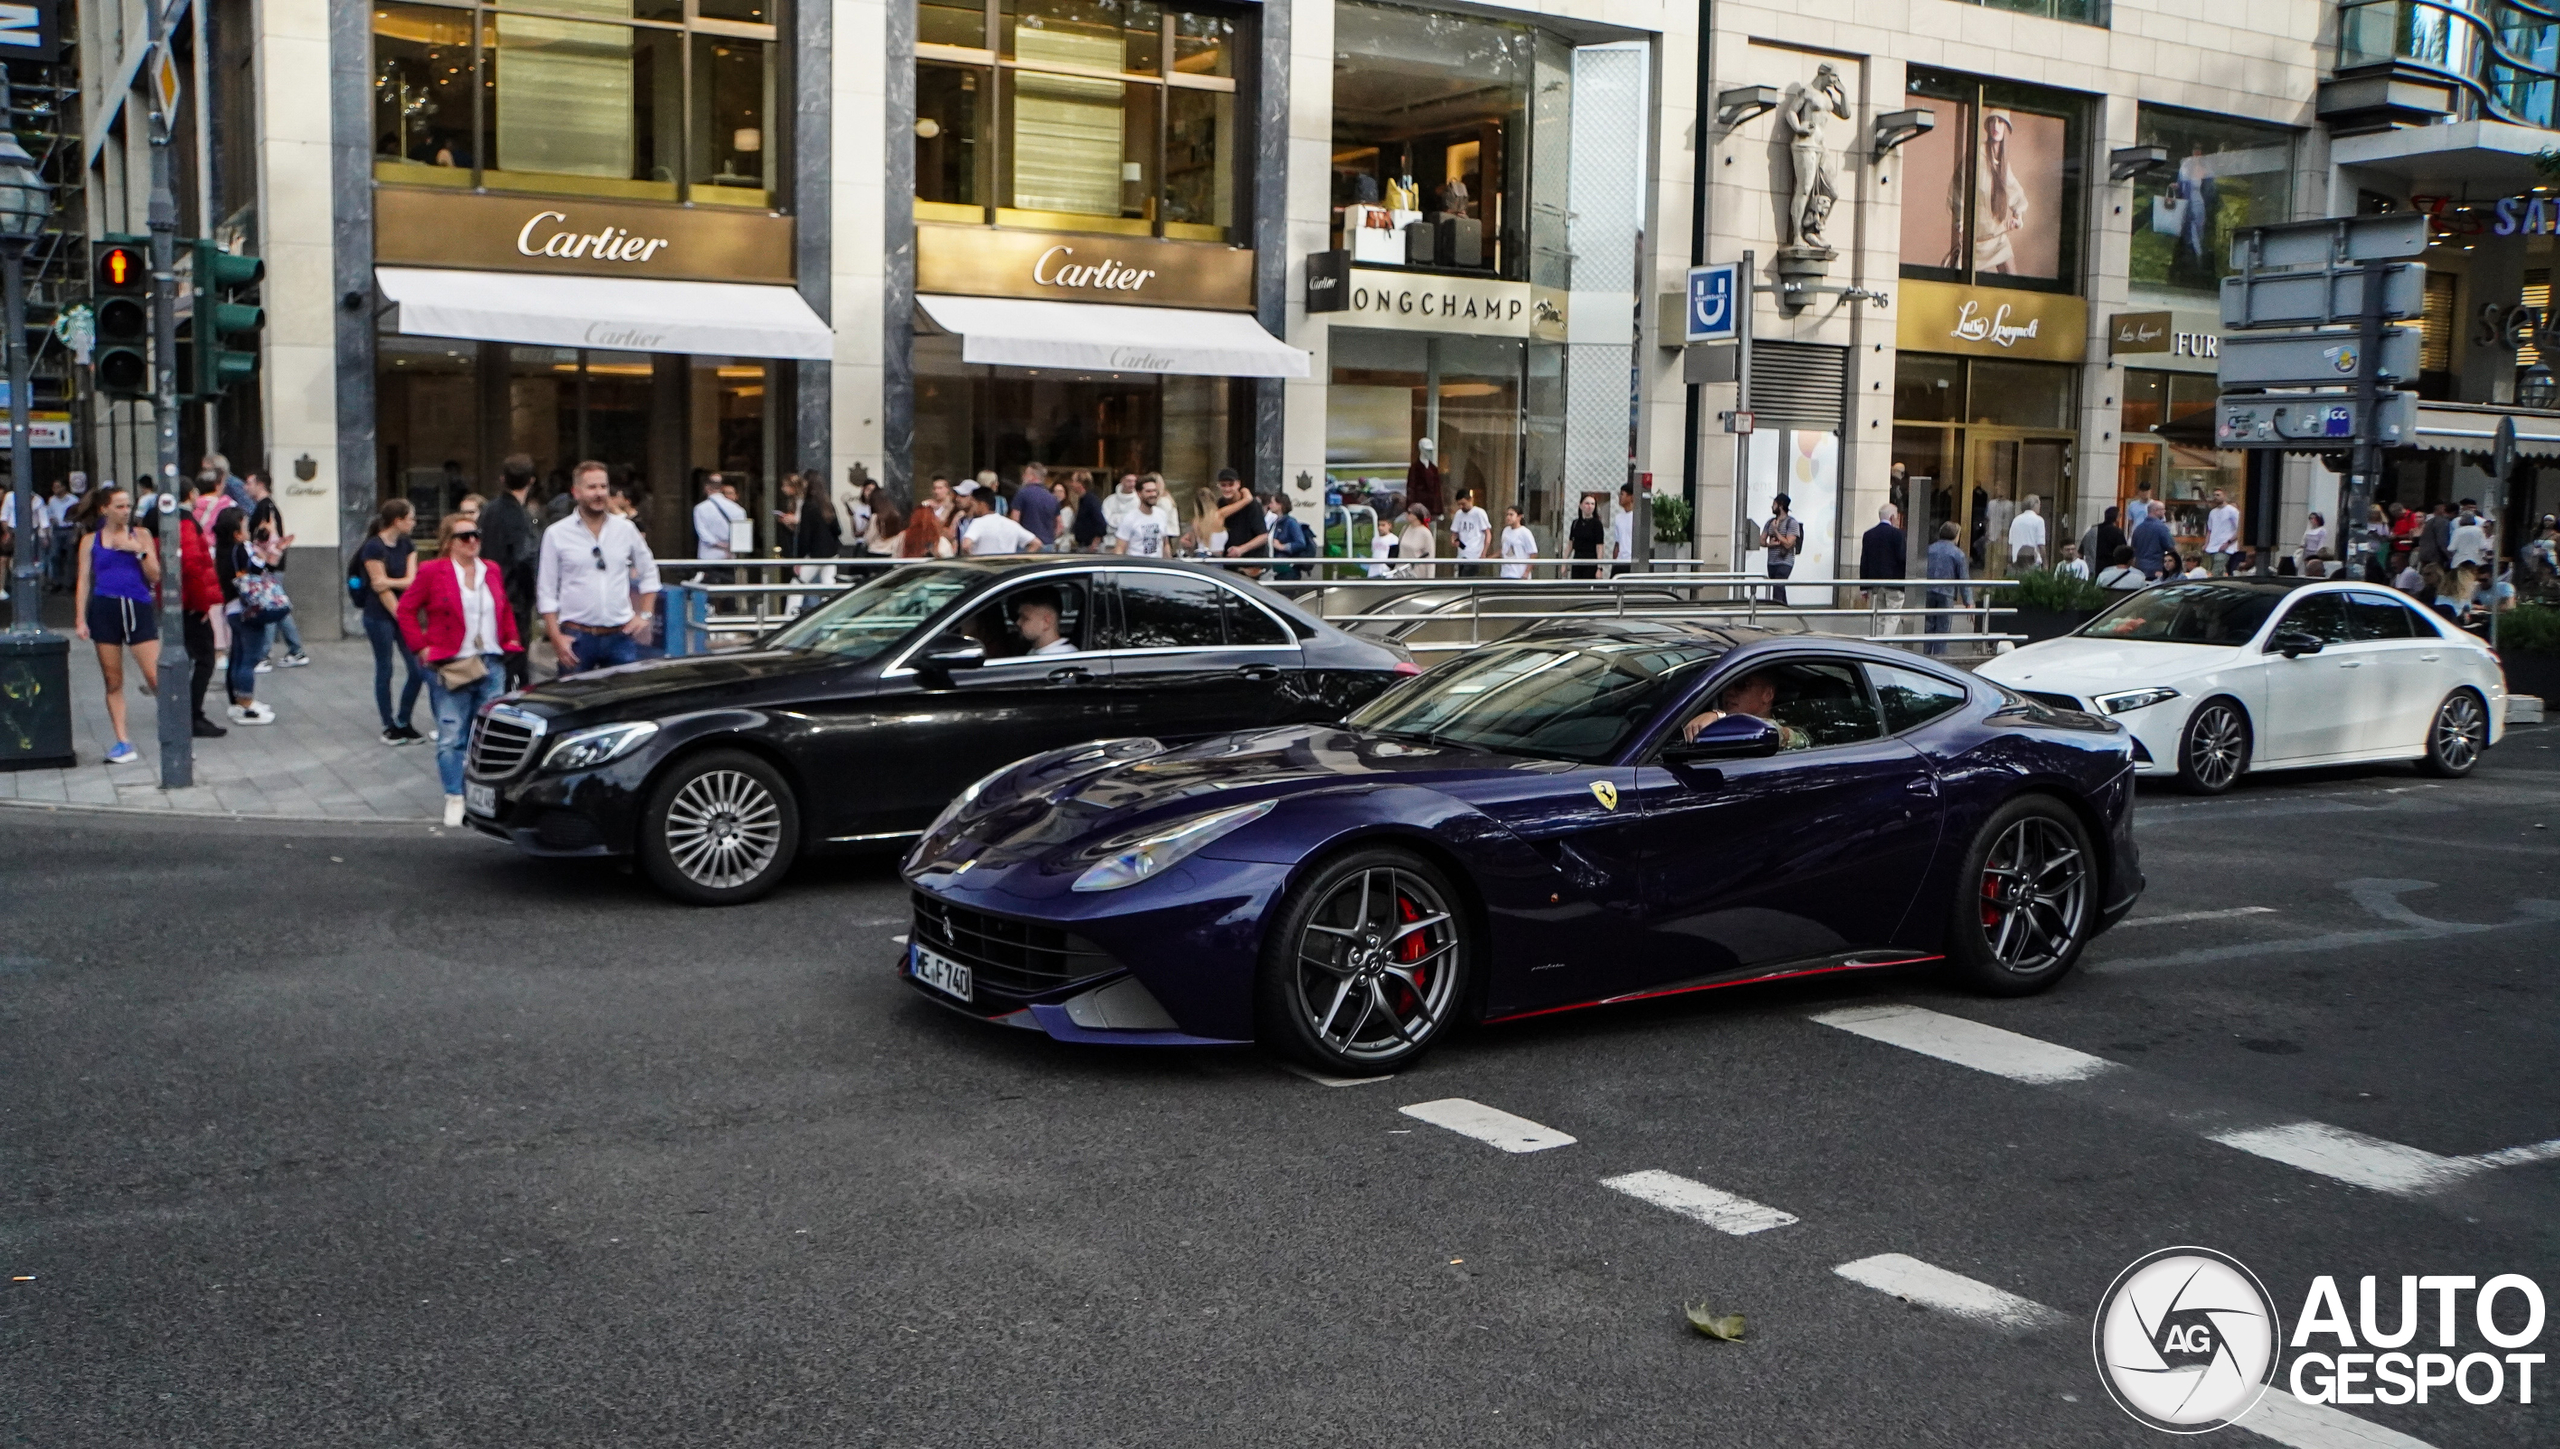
(2006, 470)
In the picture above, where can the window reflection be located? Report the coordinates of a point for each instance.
(1429, 123)
(422, 80)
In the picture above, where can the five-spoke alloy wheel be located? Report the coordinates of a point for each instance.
(2214, 751)
(721, 828)
(1366, 964)
(2459, 732)
(2026, 899)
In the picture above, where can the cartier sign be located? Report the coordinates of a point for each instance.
(1072, 267)
(1990, 322)
(489, 231)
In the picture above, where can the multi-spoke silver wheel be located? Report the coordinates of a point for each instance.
(1376, 971)
(2217, 746)
(2460, 733)
(723, 829)
(2035, 895)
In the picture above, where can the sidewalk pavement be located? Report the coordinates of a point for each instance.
(322, 759)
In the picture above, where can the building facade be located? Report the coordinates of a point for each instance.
(1359, 250)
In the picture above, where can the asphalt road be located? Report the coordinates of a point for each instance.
(316, 1135)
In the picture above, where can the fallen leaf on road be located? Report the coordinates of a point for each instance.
(1728, 1327)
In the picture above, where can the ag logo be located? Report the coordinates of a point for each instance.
(2185, 1340)
(1605, 793)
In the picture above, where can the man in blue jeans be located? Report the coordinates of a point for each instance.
(595, 579)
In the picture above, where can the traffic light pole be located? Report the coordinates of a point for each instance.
(177, 719)
(2365, 459)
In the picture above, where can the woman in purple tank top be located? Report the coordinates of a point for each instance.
(114, 605)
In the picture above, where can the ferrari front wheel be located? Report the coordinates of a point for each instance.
(1365, 964)
(2026, 898)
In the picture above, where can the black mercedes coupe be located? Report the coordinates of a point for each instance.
(859, 721)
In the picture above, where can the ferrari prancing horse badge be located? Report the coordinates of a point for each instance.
(1606, 793)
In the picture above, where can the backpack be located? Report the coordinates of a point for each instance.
(359, 588)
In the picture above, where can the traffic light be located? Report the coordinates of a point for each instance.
(120, 289)
(218, 321)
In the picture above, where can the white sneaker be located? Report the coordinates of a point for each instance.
(264, 667)
(221, 660)
(294, 661)
(453, 810)
(252, 714)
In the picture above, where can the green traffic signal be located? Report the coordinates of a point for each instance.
(219, 321)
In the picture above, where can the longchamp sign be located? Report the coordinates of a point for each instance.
(977, 261)
(494, 232)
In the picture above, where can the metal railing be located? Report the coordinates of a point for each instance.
(728, 602)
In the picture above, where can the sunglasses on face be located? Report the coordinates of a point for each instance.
(468, 535)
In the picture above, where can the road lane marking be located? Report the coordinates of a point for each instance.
(1715, 1207)
(1968, 1043)
(1913, 1281)
(2352, 1157)
(2289, 1421)
(2277, 1415)
(1487, 1124)
(2182, 917)
(2525, 1156)
(2381, 897)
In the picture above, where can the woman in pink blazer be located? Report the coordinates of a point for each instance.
(456, 619)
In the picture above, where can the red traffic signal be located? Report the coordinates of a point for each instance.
(122, 269)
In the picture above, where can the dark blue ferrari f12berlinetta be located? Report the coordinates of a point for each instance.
(1575, 816)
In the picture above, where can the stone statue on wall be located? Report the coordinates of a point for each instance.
(1806, 117)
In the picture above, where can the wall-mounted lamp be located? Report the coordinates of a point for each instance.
(2126, 162)
(1895, 127)
(1742, 103)
(2538, 388)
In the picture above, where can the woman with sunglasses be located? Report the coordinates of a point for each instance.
(112, 603)
(455, 617)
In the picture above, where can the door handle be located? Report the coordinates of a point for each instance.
(1072, 674)
(1259, 673)
(2429, 658)
(2351, 664)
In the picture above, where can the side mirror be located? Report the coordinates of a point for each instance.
(1734, 737)
(2294, 643)
(944, 658)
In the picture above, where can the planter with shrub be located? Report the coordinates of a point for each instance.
(2529, 647)
(2048, 605)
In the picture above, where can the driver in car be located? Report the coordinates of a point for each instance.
(1035, 617)
(1753, 694)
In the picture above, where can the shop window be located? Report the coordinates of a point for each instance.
(1063, 114)
(1991, 195)
(1430, 121)
(587, 97)
(1928, 389)
(2223, 176)
(2023, 394)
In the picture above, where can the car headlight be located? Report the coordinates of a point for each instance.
(2133, 699)
(1131, 859)
(586, 749)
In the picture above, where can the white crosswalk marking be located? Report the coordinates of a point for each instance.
(2352, 1157)
(2182, 917)
(1968, 1043)
(2525, 1156)
(1913, 1281)
(1487, 1124)
(2278, 1416)
(1713, 1206)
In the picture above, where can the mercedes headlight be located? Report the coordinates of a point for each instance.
(586, 749)
(1131, 859)
(2133, 699)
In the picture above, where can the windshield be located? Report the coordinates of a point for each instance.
(1565, 700)
(869, 619)
(2197, 613)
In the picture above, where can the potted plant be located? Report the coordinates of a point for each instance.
(2048, 604)
(2529, 648)
(1671, 524)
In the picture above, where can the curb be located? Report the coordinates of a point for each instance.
(154, 813)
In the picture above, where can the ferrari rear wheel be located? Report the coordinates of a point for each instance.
(2026, 898)
(1365, 965)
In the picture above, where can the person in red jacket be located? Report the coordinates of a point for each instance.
(456, 620)
(200, 598)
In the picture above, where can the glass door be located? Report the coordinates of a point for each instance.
(2008, 470)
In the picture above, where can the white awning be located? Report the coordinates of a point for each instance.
(621, 314)
(1100, 337)
(2473, 428)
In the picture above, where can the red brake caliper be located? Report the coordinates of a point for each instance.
(1990, 900)
(1412, 947)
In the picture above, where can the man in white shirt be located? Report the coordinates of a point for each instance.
(2469, 543)
(1517, 543)
(1469, 528)
(2026, 536)
(595, 579)
(1120, 503)
(2221, 533)
(1035, 617)
(991, 533)
(1622, 529)
(1149, 525)
(715, 521)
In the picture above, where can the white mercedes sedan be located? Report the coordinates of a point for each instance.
(2218, 677)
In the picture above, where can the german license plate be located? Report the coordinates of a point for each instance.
(480, 799)
(940, 972)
